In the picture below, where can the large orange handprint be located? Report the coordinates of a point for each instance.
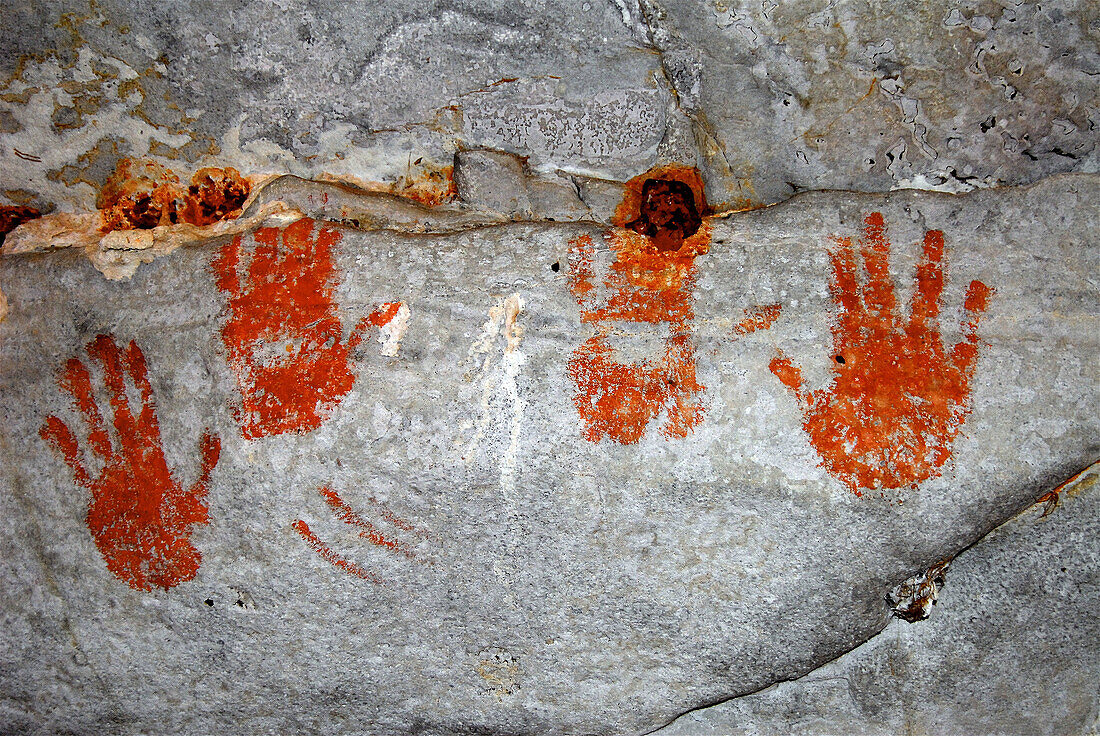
(285, 341)
(898, 398)
(139, 515)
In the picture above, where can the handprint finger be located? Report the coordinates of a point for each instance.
(224, 266)
(109, 355)
(139, 374)
(358, 331)
(264, 255)
(58, 434)
(878, 294)
(977, 301)
(78, 384)
(925, 307)
(380, 317)
(210, 447)
(844, 284)
(791, 376)
(326, 239)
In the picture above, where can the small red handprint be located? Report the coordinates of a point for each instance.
(898, 398)
(139, 515)
(650, 282)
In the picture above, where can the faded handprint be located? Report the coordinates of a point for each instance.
(139, 515)
(284, 338)
(649, 283)
(898, 398)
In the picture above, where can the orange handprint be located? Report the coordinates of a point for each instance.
(139, 515)
(898, 398)
(285, 341)
(649, 283)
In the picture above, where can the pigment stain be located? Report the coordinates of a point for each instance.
(12, 216)
(284, 339)
(898, 398)
(649, 282)
(757, 318)
(139, 515)
(367, 530)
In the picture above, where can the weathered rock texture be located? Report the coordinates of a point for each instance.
(525, 478)
(768, 98)
(452, 375)
(1010, 649)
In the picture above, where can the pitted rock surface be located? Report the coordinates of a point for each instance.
(768, 98)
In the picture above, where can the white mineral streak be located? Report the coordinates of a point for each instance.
(480, 352)
(390, 334)
(513, 360)
(502, 322)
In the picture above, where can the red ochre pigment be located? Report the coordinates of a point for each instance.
(757, 318)
(284, 338)
(139, 516)
(650, 281)
(12, 217)
(367, 531)
(898, 398)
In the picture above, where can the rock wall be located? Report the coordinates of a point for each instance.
(511, 368)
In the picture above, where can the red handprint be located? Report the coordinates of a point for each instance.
(898, 398)
(139, 516)
(650, 282)
(284, 337)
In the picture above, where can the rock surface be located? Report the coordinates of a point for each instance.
(1010, 649)
(531, 478)
(767, 98)
(442, 381)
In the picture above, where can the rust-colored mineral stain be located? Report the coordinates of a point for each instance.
(430, 187)
(139, 516)
(12, 217)
(898, 398)
(215, 194)
(757, 318)
(650, 281)
(141, 194)
(284, 338)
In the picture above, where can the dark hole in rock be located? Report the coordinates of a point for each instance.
(668, 214)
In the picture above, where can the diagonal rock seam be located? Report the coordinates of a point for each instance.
(1067, 485)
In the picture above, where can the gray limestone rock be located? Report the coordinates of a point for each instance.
(1013, 647)
(768, 98)
(787, 96)
(530, 478)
